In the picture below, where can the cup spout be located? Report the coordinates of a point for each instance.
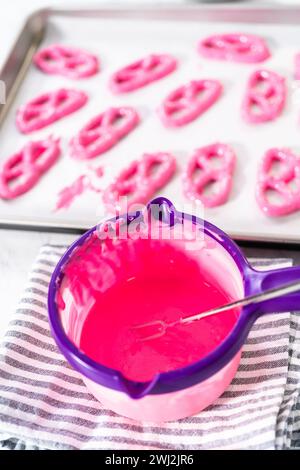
(163, 210)
(137, 390)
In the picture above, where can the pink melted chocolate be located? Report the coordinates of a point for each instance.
(164, 283)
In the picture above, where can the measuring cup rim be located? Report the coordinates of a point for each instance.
(164, 382)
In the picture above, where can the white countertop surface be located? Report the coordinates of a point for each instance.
(19, 248)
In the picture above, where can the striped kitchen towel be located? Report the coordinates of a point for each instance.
(45, 405)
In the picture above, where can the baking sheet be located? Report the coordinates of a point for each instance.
(118, 42)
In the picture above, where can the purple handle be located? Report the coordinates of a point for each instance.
(259, 281)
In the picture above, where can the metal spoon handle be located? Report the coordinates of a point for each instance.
(251, 299)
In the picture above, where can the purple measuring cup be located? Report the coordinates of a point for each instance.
(185, 391)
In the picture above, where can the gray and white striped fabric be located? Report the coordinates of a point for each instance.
(44, 404)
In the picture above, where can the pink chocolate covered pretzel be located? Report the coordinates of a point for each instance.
(236, 47)
(286, 183)
(68, 61)
(139, 181)
(142, 72)
(201, 172)
(21, 171)
(265, 97)
(103, 132)
(48, 108)
(188, 102)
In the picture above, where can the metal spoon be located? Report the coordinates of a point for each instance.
(158, 328)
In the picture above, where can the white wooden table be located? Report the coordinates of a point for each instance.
(18, 249)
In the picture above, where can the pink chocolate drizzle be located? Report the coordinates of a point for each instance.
(84, 182)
